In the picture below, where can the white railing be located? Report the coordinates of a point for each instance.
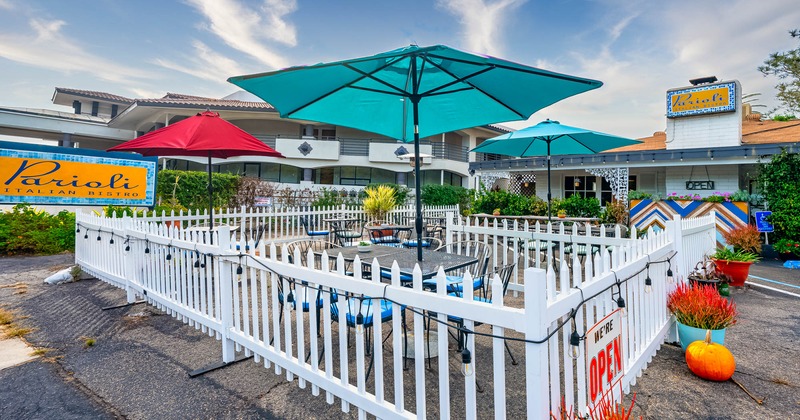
(284, 223)
(251, 313)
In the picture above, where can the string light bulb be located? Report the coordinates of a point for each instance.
(99, 238)
(86, 235)
(623, 311)
(360, 324)
(575, 344)
(78, 230)
(670, 276)
(648, 284)
(111, 241)
(466, 363)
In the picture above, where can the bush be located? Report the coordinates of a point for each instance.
(577, 206)
(190, 188)
(331, 198)
(615, 212)
(400, 192)
(509, 204)
(25, 230)
(781, 190)
(445, 195)
(537, 206)
(744, 238)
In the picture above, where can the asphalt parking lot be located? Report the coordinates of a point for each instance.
(137, 367)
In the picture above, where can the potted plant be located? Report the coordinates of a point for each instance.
(735, 264)
(705, 272)
(787, 249)
(496, 212)
(698, 308)
(380, 200)
(562, 214)
(364, 246)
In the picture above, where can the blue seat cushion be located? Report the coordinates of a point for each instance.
(453, 283)
(386, 274)
(318, 232)
(413, 243)
(366, 306)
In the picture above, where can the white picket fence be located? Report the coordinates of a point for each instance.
(251, 312)
(281, 224)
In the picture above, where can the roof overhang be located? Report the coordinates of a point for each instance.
(746, 154)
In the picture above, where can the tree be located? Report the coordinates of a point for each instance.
(778, 180)
(786, 66)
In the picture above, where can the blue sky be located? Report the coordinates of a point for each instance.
(639, 49)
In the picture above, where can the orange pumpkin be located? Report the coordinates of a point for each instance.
(709, 360)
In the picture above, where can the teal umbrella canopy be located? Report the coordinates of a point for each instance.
(413, 92)
(561, 140)
(550, 138)
(453, 89)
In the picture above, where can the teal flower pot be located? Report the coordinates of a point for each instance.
(688, 335)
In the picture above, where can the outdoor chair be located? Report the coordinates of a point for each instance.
(505, 272)
(427, 243)
(311, 228)
(476, 249)
(348, 233)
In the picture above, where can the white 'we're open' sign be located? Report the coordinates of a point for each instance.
(604, 356)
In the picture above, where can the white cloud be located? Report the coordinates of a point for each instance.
(482, 22)
(205, 64)
(6, 4)
(49, 48)
(245, 29)
(139, 93)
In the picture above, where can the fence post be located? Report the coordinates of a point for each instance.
(131, 271)
(536, 378)
(226, 294)
(681, 266)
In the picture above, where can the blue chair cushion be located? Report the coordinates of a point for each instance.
(453, 283)
(366, 307)
(318, 232)
(413, 243)
(386, 274)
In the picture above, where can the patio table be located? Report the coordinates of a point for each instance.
(406, 259)
(377, 234)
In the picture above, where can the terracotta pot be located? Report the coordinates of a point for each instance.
(737, 270)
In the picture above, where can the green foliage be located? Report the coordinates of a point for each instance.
(577, 206)
(509, 204)
(445, 195)
(787, 246)
(615, 212)
(537, 206)
(786, 67)
(25, 230)
(332, 198)
(778, 180)
(379, 202)
(638, 195)
(190, 188)
(400, 192)
(121, 211)
(731, 255)
(784, 118)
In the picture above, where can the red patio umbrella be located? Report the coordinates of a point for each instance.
(205, 134)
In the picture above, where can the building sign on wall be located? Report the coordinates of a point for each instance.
(707, 99)
(604, 357)
(66, 176)
(699, 185)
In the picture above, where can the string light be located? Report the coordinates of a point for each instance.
(111, 241)
(621, 302)
(574, 340)
(648, 283)
(359, 322)
(670, 277)
(98, 237)
(466, 362)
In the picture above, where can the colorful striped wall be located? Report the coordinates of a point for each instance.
(647, 213)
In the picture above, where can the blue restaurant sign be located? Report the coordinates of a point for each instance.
(66, 176)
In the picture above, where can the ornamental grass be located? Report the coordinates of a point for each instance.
(745, 238)
(701, 306)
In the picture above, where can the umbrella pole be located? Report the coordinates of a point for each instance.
(417, 164)
(549, 195)
(210, 204)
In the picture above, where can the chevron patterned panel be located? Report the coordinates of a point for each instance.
(647, 213)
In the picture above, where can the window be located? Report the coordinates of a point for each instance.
(584, 186)
(325, 133)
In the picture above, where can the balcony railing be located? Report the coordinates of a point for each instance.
(450, 152)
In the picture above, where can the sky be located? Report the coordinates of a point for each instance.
(638, 49)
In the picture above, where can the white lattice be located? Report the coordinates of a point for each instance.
(489, 178)
(617, 178)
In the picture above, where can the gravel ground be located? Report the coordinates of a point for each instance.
(138, 366)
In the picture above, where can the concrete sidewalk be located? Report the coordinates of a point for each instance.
(138, 366)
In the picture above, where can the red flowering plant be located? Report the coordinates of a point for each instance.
(701, 306)
(787, 246)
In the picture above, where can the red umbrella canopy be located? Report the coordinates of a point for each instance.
(205, 134)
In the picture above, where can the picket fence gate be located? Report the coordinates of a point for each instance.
(242, 299)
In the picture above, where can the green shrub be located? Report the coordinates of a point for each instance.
(190, 188)
(332, 198)
(445, 195)
(577, 206)
(400, 192)
(778, 180)
(25, 230)
(508, 203)
(537, 206)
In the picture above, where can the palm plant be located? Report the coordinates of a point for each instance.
(379, 202)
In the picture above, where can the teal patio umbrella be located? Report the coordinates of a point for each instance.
(413, 92)
(552, 138)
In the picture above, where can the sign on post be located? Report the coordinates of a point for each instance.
(604, 357)
(762, 224)
(66, 176)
